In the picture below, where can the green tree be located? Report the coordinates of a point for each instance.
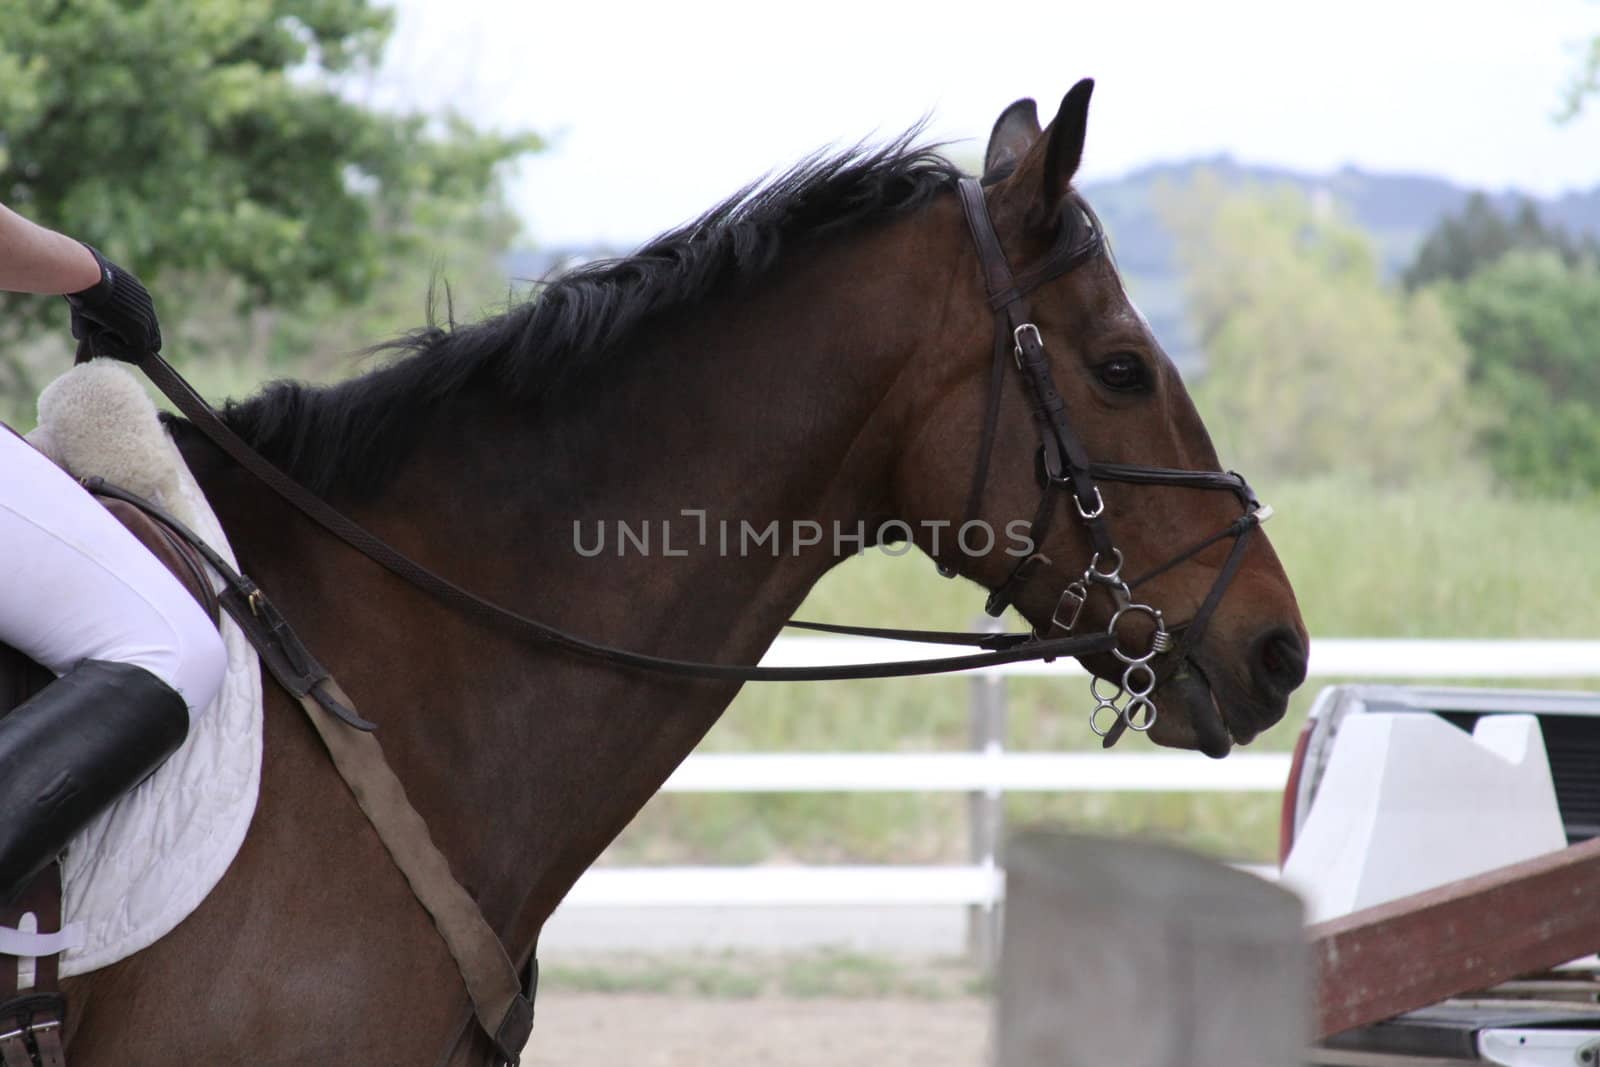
(1585, 82)
(453, 268)
(1532, 322)
(215, 149)
(1312, 365)
(1460, 245)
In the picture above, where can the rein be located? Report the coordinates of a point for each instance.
(1065, 466)
(1004, 648)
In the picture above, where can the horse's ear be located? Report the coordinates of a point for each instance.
(1014, 133)
(1066, 141)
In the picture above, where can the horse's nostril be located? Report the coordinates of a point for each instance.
(1279, 661)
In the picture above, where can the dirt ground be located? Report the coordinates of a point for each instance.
(580, 1029)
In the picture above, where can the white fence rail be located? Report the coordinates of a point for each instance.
(978, 772)
(978, 884)
(1356, 658)
(991, 772)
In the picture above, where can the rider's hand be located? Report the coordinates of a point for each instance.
(116, 315)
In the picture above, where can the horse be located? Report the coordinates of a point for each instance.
(816, 349)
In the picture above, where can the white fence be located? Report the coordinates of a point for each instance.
(1362, 659)
(990, 772)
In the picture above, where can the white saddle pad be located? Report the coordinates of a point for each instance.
(143, 866)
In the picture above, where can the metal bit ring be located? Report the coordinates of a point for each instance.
(1103, 703)
(1156, 642)
(1131, 712)
(1132, 676)
(1094, 718)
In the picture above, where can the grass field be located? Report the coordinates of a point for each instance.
(1446, 562)
(824, 972)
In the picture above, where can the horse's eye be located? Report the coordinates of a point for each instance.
(1124, 373)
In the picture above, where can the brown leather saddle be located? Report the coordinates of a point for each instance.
(31, 1021)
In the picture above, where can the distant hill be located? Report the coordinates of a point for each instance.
(1396, 209)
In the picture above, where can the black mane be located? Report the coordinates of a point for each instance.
(348, 438)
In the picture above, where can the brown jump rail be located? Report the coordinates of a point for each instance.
(1418, 950)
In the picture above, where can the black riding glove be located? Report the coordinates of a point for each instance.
(116, 316)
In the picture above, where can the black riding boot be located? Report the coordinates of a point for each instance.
(71, 750)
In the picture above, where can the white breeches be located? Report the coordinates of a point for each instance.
(76, 585)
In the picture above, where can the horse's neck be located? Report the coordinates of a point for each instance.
(768, 409)
(644, 512)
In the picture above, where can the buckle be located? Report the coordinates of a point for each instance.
(1073, 597)
(31, 1013)
(1016, 340)
(1099, 506)
(515, 1030)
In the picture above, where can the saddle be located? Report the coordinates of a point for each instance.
(31, 1019)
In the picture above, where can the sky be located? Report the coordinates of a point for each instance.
(656, 111)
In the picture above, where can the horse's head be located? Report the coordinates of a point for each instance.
(1093, 442)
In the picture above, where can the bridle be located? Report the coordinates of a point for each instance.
(1065, 467)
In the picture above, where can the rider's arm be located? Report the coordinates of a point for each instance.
(36, 260)
(111, 310)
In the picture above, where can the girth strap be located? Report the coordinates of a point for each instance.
(30, 1031)
(31, 1021)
